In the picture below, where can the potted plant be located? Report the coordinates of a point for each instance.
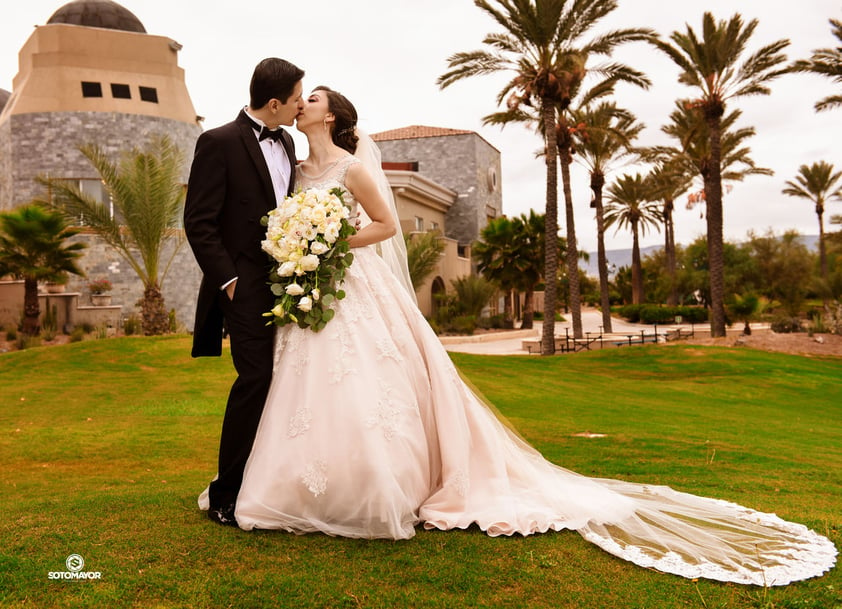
(57, 283)
(99, 292)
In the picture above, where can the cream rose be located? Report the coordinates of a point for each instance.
(318, 248)
(308, 263)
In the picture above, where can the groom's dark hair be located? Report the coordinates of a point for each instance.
(273, 78)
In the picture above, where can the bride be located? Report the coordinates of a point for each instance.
(369, 432)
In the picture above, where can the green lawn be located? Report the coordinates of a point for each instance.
(105, 445)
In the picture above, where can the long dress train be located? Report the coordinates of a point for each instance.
(369, 431)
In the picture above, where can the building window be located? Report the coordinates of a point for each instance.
(149, 94)
(121, 91)
(462, 251)
(95, 189)
(91, 89)
(419, 224)
(434, 226)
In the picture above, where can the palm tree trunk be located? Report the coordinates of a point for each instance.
(508, 312)
(31, 308)
(597, 182)
(713, 197)
(154, 318)
(528, 310)
(550, 231)
(669, 251)
(574, 298)
(637, 279)
(822, 248)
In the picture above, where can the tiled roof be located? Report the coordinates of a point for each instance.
(415, 132)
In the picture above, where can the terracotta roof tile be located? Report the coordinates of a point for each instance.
(415, 132)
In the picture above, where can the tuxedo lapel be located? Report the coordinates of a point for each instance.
(256, 154)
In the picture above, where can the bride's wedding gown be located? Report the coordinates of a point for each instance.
(369, 432)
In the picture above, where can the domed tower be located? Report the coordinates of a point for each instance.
(90, 75)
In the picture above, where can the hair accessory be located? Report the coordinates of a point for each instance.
(346, 131)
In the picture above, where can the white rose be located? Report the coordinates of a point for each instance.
(319, 215)
(305, 304)
(286, 269)
(316, 294)
(310, 262)
(294, 289)
(318, 248)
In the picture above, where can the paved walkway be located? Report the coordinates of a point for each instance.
(511, 343)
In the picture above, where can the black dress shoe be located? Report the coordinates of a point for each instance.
(223, 515)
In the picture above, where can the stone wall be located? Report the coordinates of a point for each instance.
(465, 163)
(180, 287)
(48, 144)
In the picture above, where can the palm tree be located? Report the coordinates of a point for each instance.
(528, 247)
(629, 206)
(509, 255)
(147, 194)
(423, 252)
(32, 248)
(827, 62)
(473, 293)
(744, 307)
(538, 48)
(711, 65)
(603, 136)
(496, 260)
(668, 181)
(693, 155)
(817, 183)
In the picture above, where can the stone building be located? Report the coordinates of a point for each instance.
(93, 75)
(459, 160)
(456, 175)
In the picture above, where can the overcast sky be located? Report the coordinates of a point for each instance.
(385, 55)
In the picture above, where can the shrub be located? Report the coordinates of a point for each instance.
(784, 324)
(26, 342)
(12, 334)
(131, 325)
(659, 314)
(497, 321)
(49, 325)
(464, 324)
(77, 335)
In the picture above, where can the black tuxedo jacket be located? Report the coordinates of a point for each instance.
(228, 192)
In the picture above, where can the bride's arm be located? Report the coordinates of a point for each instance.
(365, 191)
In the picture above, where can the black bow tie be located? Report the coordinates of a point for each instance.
(265, 132)
(272, 134)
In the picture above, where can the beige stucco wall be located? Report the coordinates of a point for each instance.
(57, 58)
(451, 266)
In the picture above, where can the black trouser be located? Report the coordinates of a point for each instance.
(252, 344)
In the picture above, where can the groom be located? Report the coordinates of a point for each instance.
(240, 171)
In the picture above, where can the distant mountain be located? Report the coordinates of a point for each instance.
(621, 258)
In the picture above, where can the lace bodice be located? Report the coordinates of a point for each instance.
(332, 177)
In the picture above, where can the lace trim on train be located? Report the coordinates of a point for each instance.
(804, 555)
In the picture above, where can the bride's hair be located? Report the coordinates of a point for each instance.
(346, 119)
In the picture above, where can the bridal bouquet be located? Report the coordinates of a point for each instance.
(306, 237)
